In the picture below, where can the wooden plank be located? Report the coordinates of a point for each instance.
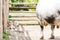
(31, 25)
(27, 22)
(22, 14)
(24, 18)
(22, 11)
(22, 7)
(21, 20)
(22, 3)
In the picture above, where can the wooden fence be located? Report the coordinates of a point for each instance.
(24, 17)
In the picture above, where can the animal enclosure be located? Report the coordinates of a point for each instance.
(22, 17)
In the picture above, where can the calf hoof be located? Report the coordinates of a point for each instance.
(57, 26)
(41, 37)
(52, 37)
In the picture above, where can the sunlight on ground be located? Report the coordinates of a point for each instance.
(35, 32)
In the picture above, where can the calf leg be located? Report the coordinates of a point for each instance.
(42, 31)
(52, 28)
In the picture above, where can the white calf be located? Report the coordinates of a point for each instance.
(48, 12)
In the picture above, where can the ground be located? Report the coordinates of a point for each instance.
(32, 33)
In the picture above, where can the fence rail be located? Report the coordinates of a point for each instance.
(22, 12)
(22, 3)
(21, 7)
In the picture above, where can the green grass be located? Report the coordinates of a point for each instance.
(10, 16)
(6, 35)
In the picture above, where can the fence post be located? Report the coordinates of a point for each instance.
(1, 28)
(6, 13)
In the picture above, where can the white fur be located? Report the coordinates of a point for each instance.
(46, 8)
